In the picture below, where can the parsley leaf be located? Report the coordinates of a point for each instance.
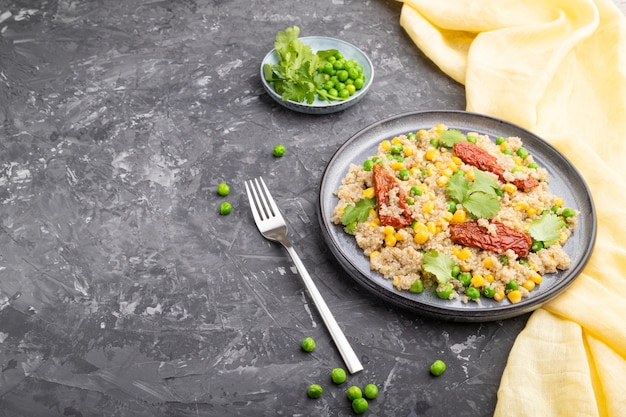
(358, 212)
(546, 229)
(449, 137)
(478, 197)
(296, 76)
(438, 264)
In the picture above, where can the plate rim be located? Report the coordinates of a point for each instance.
(453, 313)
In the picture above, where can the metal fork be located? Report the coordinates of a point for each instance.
(273, 226)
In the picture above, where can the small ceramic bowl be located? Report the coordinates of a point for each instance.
(320, 43)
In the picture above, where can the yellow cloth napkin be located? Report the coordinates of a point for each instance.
(557, 68)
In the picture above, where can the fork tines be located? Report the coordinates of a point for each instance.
(261, 200)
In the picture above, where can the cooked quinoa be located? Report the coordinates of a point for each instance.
(422, 255)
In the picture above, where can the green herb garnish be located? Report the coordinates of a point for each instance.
(358, 212)
(438, 264)
(546, 229)
(478, 197)
(448, 138)
(296, 76)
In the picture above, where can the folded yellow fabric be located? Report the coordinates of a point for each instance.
(557, 68)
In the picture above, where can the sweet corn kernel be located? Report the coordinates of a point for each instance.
(408, 151)
(374, 254)
(503, 146)
(526, 227)
(399, 236)
(415, 171)
(531, 212)
(431, 171)
(438, 165)
(464, 254)
(447, 172)
(529, 284)
(421, 236)
(459, 216)
(390, 240)
(518, 160)
(431, 154)
(456, 251)
(440, 127)
(447, 216)
(563, 238)
(536, 278)
(442, 181)
(395, 140)
(388, 230)
(368, 192)
(373, 211)
(396, 281)
(489, 278)
(452, 167)
(509, 188)
(375, 222)
(488, 262)
(421, 132)
(477, 281)
(432, 227)
(428, 207)
(469, 174)
(385, 145)
(521, 206)
(397, 166)
(431, 196)
(499, 295)
(457, 160)
(514, 296)
(559, 202)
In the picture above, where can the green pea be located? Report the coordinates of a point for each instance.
(522, 153)
(279, 150)
(353, 73)
(456, 270)
(327, 68)
(333, 92)
(524, 263)
(415, 190)
(411, 136)
(344, 93)
(451, 206)
(500, 140)
(438, 367)
(314, 391)
(223, 189)
(489, 292)
(512, 285)
(404, 174)
(351, 88)
(359, 405)
(338, 375)
(368, 165)
(507, 152)
(536, 246)
(517, 168)
(308, 344)
(435, 143)
(370, 391)
(225, 208)
(568, 212)
(465, 278)
(473, 293)
(354, 392)
(444, 291)
(471, 139)
(358, 83)
(328, 85)
(533, 165)
(417, 286)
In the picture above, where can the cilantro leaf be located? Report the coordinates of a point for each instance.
(448, 138)
(358, 212)
(478, 197)
(546, 229)
(438, 264)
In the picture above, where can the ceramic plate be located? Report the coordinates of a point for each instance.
(565, 181)
(320, 43)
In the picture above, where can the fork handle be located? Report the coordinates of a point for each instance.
(347, 353)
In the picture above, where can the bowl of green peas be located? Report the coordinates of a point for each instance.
(316, 74)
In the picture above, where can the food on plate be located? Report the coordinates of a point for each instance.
(302, 75)
(456, 213)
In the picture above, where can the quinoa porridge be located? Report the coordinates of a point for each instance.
(457, 213)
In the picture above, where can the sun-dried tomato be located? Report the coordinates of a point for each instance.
(476, 156)
(472, 234)
(384, 184)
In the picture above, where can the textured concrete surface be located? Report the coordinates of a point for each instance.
(123, 292)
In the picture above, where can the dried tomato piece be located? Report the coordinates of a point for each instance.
(385, 184)
(476, 156)
(472, 234)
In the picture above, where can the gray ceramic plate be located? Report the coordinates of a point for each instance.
(565, 181)
(320, 43)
